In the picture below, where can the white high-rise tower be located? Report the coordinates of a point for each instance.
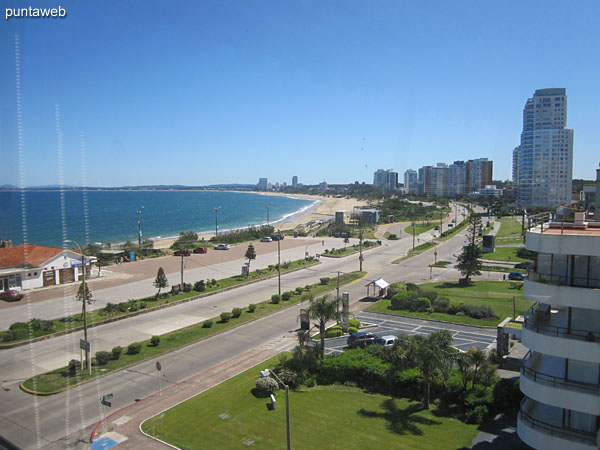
(545, 156)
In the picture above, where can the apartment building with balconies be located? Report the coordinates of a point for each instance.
(560, 376)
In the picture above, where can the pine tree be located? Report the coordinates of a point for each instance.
(84, 293)
(161, 281)
(250, 255)
(468, 261)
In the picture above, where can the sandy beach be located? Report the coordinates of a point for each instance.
(324, 208)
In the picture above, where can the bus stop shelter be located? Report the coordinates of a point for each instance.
(379, 288)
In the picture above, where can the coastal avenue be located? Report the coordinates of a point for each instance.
(40, 421)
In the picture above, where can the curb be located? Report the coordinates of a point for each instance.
(98, 376)
(143, 311)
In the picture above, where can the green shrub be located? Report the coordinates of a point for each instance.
(102, 358)
(6, 336)
(251, 307)
(154, 341)
(422, 304)
(288, 377)
(110, 308)
(454, 308)
(236, 312)
(477, 415)
(134, 348)
(73, 367)
(331, 333)
(404, 300)
(207, 324)
(299, 290)
(507, 395)
(355, 323)
(17, 326)
(308, 287)
(286, 296)
(441, 305)
(225, 317)
(199, 286)
(275, 299)
(394, 288)
(41, 325)
(352, 330)
(431, 295)
(143, 305)
(266, 386)
(116, 352)
(324, 280)
(412, 287)
(187, 287)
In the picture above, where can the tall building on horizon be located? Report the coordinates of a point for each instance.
(385, 180)
(411, 185)
(294, 181)
(544, 160)
(263, 184)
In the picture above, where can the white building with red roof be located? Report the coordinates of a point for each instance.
(29, 266)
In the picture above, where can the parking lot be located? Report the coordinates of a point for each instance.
(464, 336)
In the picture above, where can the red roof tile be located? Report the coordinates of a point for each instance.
(27, 254)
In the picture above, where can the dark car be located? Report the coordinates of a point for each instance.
(200, 250)
(278, 237)
(524, 265)
(12, 295)
(184, 252)
(517, 276)
(361, 339)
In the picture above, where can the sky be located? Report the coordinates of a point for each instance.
(208, 92)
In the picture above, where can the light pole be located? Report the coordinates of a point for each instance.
(266, 373)
(216, 222)
(279, 261)
(85, 338)
(413, 233)
(139, 214)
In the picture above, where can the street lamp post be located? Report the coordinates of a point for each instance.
(139, 214)
(216, 221)
(266, 373)
(85, 337)
(413, 233)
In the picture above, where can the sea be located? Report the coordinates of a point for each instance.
(98, 216)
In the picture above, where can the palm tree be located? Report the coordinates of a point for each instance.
(322, 310)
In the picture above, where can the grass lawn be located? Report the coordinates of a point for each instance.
(56, 380)
(323, 417)
(417, 251)
(510, 227)
(496, 294)
(76, 321)
(504, 254)
(421, 228)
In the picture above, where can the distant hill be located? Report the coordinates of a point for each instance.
(8, 186)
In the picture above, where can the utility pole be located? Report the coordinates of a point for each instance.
(268, 215)
(139, 214)
(85, 292)
(338, 293)
(182, 272)
(360, 242)
(216, 221)
(413, 233)
(279, 261)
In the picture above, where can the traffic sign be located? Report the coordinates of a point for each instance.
(84, 345)
(106, 403)
(158, 366)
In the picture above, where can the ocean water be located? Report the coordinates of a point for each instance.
(110, 216)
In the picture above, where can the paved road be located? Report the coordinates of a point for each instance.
(464, 336)
(35, 422)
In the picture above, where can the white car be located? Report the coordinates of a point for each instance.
(266, 239)
(386, 341)
(222, 247)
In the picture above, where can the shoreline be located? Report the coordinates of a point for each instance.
(323, 207)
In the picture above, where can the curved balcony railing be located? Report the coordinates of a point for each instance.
(562, 280)
(557, 382)
(556, 430)
(533, 322)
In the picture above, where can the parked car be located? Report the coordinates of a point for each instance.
(361, 339)
(450, 225)
(517, 276)
(453, 220)
(200, 250)
(222, 247)
(266, 239)
(184, 252)
(12, 295)
(278, 237)
(386, 341)
(524, 265)
(437, 228)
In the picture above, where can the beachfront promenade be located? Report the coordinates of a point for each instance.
(71, 412)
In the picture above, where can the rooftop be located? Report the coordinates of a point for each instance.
(28, 255)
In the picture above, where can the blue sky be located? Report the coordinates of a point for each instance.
(203, 92)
